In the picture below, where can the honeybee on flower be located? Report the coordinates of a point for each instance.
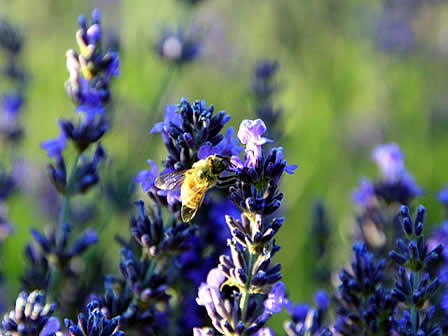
(194, 182)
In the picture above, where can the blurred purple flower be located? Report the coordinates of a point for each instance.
(54, 147)
(365, 193)
(443, 196)
(390, 160)
(178, 46)
(264, 332)
(11, 104)
(276, 299)
(147, 177)
(299, 311)
(322, 299)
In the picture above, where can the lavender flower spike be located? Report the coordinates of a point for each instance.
(249, 267)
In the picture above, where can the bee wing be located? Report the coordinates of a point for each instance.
(187, 213)
(170, 181)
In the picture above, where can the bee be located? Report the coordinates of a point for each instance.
(194, 182)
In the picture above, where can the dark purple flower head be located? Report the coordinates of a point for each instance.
(264, 87)
(443, 196)
(32, 316)
(186, 128)
(8, 184)
(11, 104)
(365, 194)
(95, 323)
(276, 299)
(322, 299)
(146, 289)
(178, 46)
(299, 312)
(11, 39)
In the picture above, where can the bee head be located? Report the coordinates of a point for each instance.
(218, 164)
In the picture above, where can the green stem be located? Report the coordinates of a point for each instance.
(65, 210)
(414, 310)
(150, 271)
(56, 274)
(246, 294)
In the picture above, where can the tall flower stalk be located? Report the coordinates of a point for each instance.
(91, 71)
(249, 269)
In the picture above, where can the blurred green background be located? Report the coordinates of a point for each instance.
(350, 79)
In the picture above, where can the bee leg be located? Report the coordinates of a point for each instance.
(226, 181)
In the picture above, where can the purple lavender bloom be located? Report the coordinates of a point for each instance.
(251, 131)
(203, 332)
(365, 193)
(147, 177)
(229, 146)
(171, 117)
(178, 46)
(299, 311)
(215, 277)
(11, 104)
(215, 216)
(322, 300)
(264, 332)
(395, 32)
(411, 185)
(440, 236)
(83, 242)
(31, 316)
(11, 38)
(210, 289)
(390, 160)
(279, 158)
(276, 299)
(54, 147)
(444, 301)
(443, 196)
(91, 70)
(95, 323)
(91, 106)
(5, 226)
(250, 134)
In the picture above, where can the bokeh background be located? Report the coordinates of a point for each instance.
(352, 74)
